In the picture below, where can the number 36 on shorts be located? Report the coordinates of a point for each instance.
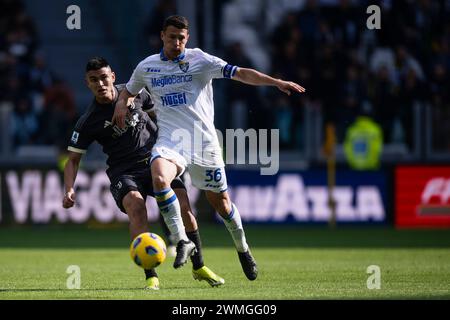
(213, 175)
(208, 178)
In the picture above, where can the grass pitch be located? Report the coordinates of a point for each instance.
(294, 263)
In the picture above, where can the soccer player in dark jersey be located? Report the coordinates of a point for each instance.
(129, 151)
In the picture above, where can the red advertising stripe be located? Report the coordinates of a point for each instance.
(422, 196)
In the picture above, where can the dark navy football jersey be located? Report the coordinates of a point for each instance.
(125, 147)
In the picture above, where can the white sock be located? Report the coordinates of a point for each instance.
(234, 225)
(170, 210)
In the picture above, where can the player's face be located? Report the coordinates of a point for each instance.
(101, 83)
(174, 40)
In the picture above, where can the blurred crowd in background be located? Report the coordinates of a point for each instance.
(44, 108)
(348, 70)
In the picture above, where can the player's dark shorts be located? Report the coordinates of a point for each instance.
(138, 178)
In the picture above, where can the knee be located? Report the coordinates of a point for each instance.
(160, 181)
(163, 172)
(135, 207)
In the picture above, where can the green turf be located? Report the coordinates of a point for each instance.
(294, 263)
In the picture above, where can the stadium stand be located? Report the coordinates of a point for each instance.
(324, 45)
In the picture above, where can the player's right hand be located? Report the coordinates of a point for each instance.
(69, 199)
(120, 113)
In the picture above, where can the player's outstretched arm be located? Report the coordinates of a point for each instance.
(121, 110)
(256, 78)
(70, 173)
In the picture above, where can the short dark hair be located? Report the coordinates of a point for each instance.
(178, 22)
(96, 63)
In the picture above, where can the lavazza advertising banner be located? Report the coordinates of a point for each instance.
(34, 196)
(422, 196)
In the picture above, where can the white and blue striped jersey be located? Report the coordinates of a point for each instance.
(182, 92)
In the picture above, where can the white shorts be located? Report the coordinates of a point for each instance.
(169, 154)
(210, 178)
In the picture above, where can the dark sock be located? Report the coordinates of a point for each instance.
(197, 259)
(150, 273)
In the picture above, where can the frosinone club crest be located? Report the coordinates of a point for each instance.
(184, 66)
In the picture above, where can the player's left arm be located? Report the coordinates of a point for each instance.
(70, 174)
(256, 78)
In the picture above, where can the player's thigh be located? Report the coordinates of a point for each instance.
(123, 186)
(144, 179)
(163, 171)
(212, 179)
(166, 162)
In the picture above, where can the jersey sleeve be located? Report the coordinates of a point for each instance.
(147, 102)
(81, 138)
(219, 68)
(136, 82)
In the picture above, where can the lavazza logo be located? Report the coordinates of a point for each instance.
(290, 197)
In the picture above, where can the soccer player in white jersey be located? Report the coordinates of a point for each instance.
(180, 83)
